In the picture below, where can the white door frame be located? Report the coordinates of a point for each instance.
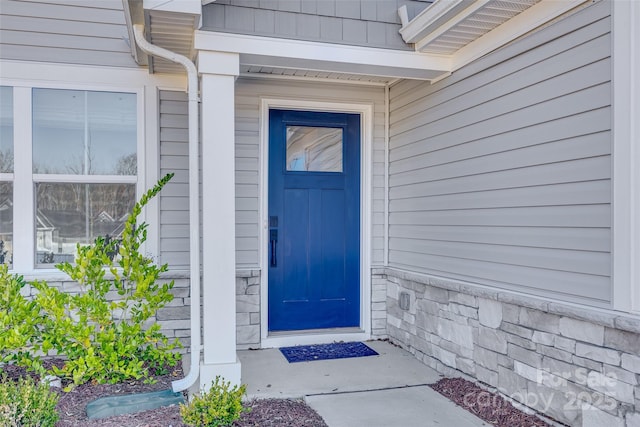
(366, 141)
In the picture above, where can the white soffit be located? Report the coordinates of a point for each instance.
(172, 31)
(464, 30)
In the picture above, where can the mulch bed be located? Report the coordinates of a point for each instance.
(263, 413)
(487, 406)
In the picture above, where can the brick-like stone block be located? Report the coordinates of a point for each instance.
(582, 331)
(529, 357)
(633, 419)
(489, 312)
(629, 342)
(586, 363)
(242, 319)
(464, 311)
(463, 299)
(492, 339)
(565, 344)
(454, 332)
(174, 313)
(248, 334)
(174, 324)
(631, 363)
(487, 376)
(609, 386)
(486, 358)
(437, 294)
(536, 319)
(620, 374)
(543, 338)
(254, 318)
(594, 417)
(599, 354)
(521, 342)
(247, 303)
(509, 382)
(510, 313)
(525, 333)
(526, 371)
(555, 353)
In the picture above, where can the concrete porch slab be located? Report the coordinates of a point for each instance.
(388, 390)
(267, 373)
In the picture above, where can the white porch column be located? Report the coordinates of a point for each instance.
(219, 71)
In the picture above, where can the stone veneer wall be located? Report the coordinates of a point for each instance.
(247, 309)
(173, 318)
(579, 366)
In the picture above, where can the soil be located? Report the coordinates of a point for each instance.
(263, 413)
(485, 405)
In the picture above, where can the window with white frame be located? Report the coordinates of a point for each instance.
(83, 173)
(6, 175)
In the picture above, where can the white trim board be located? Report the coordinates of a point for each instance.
(626, 156)
(366, 135)
(317, 56)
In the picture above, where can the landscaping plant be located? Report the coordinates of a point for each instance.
(220, 406)
(105, 330)
(26, 403)
(20, 323)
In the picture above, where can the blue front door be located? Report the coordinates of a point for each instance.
(314, 220)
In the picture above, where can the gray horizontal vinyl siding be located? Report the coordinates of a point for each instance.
(372, 23)
(85, 32)
(248, 95)
(174, 198)
(501, 173)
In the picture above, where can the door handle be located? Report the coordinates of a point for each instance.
(274, 248)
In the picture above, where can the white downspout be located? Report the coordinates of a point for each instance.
(194, 200)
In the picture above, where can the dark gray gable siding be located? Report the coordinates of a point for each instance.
(501, 173)
(372, 23)
(85, 32)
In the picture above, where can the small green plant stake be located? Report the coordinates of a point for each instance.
(220, 406)
(108, 340)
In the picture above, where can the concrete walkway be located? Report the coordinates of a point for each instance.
(389, 390)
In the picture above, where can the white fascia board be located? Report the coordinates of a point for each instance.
(192, 7)
(433, 17)
(537, 15)
(285, 53)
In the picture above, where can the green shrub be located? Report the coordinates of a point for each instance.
(106, 340)
(220, 406)
(20, 323)
(26, 403)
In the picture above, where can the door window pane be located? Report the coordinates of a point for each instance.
(6, 223)
(6, 129)
(84, 133)
(315, 149)
(69, 213)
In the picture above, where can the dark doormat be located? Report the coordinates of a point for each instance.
(341, 350)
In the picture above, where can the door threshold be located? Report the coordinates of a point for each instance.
(313, 336)
(352, 330)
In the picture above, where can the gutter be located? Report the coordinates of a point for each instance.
(194, 200)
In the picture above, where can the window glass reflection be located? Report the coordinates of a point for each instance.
(67, 214)
(315, 149)
(84, 133)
